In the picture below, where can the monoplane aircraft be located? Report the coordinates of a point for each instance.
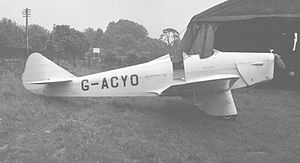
(207, 83)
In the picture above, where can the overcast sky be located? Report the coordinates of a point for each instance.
(154, 15)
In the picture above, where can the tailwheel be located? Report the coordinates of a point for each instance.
(230, 117)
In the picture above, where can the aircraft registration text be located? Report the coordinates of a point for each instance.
(112, 82)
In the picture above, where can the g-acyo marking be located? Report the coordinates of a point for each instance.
(115, 82)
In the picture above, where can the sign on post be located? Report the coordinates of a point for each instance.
(96, 50)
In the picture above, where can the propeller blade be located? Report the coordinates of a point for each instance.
(279, 61)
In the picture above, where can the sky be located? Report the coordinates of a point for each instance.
(154, 15)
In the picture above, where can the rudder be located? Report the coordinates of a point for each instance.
(39, 68)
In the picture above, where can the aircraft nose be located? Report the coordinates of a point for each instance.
(255, 67)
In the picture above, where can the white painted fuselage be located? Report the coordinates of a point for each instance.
(152, 78)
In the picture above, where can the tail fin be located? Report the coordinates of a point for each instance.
(40, 70)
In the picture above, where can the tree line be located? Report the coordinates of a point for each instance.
(123, 41)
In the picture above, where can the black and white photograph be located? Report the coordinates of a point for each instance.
(149, 81)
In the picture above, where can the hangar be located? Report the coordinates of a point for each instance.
(249, 25)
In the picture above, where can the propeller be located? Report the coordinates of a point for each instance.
(278, 60)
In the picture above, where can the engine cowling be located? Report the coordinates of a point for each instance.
(255, 67)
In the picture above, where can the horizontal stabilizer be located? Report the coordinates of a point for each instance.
(50, 81)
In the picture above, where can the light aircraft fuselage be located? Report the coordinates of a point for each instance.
(209, 80)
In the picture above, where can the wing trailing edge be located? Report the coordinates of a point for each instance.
(202, 86)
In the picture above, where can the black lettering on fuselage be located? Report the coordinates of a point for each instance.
(134, 79)
(84, 85)
(114, 84)
(104, 83)
(124, 78)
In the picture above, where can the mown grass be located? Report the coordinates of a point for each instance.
(42, 129)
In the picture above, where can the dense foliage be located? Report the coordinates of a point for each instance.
(123, 41)
(169, 36)
(37, 36)
(11, 34)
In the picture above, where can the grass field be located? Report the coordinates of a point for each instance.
(39, 129)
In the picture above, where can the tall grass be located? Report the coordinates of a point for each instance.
(42, 129)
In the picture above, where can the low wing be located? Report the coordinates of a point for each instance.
(202, 86)
(212, 93)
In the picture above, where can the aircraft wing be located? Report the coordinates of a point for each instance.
(211, 93)
(202, 86)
